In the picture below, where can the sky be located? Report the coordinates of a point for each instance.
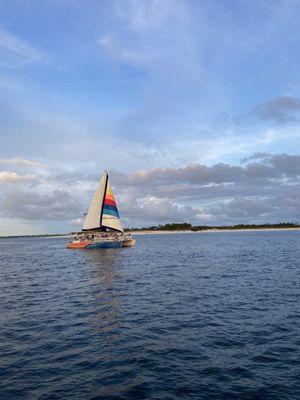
(193, 107)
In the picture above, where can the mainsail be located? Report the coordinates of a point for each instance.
(93, 217)
(103, 212)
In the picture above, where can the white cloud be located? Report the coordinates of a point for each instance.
(161, 210)
(15, 52)
(13, 177)
(145, 37)
(22, 162)
(144, 15)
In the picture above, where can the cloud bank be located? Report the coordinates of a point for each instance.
(264, 188)
(281, 110)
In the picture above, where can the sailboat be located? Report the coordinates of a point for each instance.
(102, 226)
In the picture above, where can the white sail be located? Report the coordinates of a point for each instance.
(110, 214)
(92, 220)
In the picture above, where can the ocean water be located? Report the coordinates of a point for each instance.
(181, 316)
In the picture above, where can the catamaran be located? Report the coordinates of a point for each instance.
(102, 226)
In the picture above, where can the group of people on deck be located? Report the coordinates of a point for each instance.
(82, 236)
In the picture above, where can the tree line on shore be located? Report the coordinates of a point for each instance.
(189, 227)
(182, 227)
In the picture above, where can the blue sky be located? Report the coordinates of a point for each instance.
(157, 93)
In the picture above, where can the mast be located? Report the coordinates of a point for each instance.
(105, 189)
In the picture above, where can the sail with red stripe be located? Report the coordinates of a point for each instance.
(110, 214)
(103, 211)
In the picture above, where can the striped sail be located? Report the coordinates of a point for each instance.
(110, 214)
(103, 212)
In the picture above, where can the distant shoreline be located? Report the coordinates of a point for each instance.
(157, 231)
(153, 232)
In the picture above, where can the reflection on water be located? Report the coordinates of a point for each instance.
(104, 265)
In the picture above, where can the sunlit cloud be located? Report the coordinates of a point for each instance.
(19, 161)
(13, 177)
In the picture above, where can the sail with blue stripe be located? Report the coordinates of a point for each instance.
(103, 211)
(110, 214)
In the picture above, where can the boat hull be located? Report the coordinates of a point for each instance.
(104, 245)
(78, 244)
(94, 245)
(128, 242)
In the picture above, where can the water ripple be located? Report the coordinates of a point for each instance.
(200, 316)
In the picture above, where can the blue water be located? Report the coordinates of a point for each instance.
(183, 316)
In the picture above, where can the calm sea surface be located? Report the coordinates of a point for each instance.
(182, 316)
